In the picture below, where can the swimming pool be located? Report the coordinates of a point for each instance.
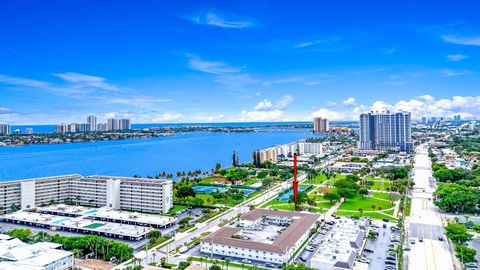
(90, 212)
(60, 221)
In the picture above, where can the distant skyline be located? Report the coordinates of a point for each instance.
(236, 61)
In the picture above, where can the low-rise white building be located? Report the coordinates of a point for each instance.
(341, 245)
(264, 235)
(14, 254)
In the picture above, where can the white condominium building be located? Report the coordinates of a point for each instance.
(284, 151)
(119, 193)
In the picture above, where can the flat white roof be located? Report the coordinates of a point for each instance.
(337, 244)
(25, 256)
(79, 223)
(105, 212)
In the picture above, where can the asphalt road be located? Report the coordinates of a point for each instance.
(425, 221)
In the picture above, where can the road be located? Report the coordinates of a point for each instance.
(425, 220)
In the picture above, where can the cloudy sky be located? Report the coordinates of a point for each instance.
(224, 61)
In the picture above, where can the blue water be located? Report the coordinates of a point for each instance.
(51, 128)
(182, 152)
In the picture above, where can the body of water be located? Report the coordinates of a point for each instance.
(182, 152)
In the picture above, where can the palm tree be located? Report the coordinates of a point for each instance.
(360, 210)
(227, 261)
(373, 207)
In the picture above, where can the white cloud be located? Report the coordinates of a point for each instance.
(463, 40)
(283, 102)
(280, 104)
(456, 57)
(259, 116)
(212, 67)
(82, 80)
(454, 73)
(222, 20)
(426, 105)
(81, 86)
(264, 105)
(311, 43)
(349, 101)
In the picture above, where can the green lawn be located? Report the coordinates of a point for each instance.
(325, 205)
(287, 207)
(364, 203)
(377, 185)
(177, 208)
(251, 181)
(385, 196)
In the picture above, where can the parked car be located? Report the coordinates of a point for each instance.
(440, 238)
(420, 239)
(390, 262)
(386, 220)
(246, 261)
(412, 241)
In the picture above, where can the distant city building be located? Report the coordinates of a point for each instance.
(457, 119)
(16, 131)
(101, 127)
(82, 128)
(320, 125)
(385, 131)
(4, 129)
(424, 120)
(114, 124)
(62, 128)
(92, 123)
(29, 131)
(72, 127)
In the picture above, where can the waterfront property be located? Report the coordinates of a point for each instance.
(14, 254)
(263, 235)
(119, 193)
(284, 152)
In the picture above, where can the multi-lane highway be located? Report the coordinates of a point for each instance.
(425, 224)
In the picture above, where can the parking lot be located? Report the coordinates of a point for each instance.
(313, 245)
(376, 251)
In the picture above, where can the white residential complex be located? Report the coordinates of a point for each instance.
(113, 124)
(14, 254)
(132, 194)
(284, 151)
(385, 131)
(264, 235)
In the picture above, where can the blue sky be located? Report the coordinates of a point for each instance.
(224, 61)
